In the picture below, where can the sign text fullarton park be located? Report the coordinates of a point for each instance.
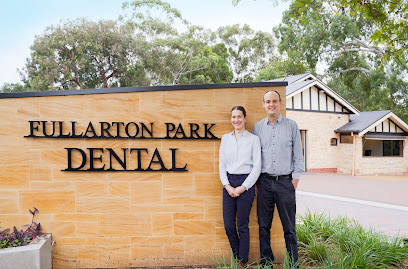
(118, 130)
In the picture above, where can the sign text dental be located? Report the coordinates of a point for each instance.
(92, 159)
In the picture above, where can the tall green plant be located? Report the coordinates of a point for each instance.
(326, 242)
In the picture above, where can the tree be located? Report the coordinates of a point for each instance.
(248, 50)
(217, 71)
(373, 91)
(167, 54)
(282, 68)
(81, 54)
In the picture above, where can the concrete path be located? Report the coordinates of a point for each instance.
(377, 202)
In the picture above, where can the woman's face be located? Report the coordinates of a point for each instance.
(238, 120)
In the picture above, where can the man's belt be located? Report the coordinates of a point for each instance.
(276, 177)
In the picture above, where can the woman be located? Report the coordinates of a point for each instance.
(240, 167)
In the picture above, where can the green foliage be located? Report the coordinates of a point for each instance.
(325, 242)
(373, 91)
(282, 68)
(217, 70)
(80, 54)
(248, 50)
(15, 87)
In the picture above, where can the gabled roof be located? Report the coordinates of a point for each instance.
(293, 79)
(291, 88)
(301, 82)
(359, 123)
(365, 121)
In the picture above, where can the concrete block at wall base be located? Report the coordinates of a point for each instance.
(34, 256)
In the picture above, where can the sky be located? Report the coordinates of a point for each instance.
(22, 20)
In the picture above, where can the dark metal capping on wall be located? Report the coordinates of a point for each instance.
(143, 89)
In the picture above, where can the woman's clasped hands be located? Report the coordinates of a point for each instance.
(235, 192)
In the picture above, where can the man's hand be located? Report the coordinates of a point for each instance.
(231, 191)
(295, 182)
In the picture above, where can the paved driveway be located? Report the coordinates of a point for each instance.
(377, 202)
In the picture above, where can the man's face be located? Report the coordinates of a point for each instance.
(272, 104)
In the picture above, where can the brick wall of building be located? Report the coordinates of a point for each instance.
(320, 128)
(380, 165)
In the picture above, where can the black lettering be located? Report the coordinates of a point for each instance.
(45, 128)
(168, 130)
(118, 127)
(207, 131)
(144, 127)
(159, 161)
(61, 123)
(193, 130)
(92, 158)
(73, 130)
(122, 163)
(90, 129)
(32, 127)
(105, 129)
(173, 162)
(180, 130)
(139, 157)
(70, 168)
(127, 129)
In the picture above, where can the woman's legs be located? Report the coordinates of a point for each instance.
(244, 204)
(236, 215)
(229, 210)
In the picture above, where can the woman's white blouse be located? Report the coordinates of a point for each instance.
(242, 156)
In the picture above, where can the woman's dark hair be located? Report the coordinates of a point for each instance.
(241, 108)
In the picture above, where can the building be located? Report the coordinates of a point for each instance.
(337, 137)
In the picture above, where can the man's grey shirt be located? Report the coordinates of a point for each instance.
(281, 147)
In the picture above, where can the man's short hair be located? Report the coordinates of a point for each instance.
(263, 97)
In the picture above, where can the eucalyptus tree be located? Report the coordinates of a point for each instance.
(81, 54)
(249, 51)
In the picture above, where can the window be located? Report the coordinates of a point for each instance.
(380, 148)
(392, 148)
(333, 142)
(346, 139)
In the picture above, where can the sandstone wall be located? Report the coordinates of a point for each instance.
(125, 219)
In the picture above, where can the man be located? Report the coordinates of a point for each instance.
(282, 163)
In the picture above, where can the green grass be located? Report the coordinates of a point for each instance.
(338, 243)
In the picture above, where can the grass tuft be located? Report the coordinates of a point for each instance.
(326, 242)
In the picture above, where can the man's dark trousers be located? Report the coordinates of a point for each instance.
(282, 193)
(238, 208)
